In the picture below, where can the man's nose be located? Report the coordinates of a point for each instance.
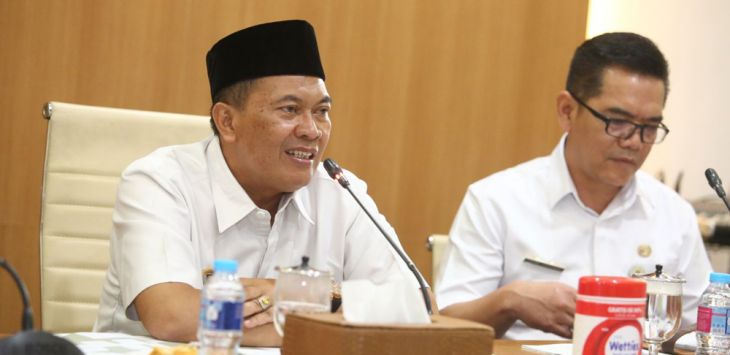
(307, 127)
(634, 141)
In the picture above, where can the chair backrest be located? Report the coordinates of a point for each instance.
(436, 244)
(86, 150)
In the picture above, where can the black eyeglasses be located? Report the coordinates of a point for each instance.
(624, 129)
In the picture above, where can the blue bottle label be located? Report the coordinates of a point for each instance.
(221, 315)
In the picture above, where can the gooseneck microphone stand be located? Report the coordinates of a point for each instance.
(336, 173)
(27, 317)
(29, 341)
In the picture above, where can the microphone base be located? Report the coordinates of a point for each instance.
(31, 342)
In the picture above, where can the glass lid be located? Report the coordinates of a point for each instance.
(303, 269)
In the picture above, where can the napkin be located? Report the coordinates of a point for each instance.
(391, 302)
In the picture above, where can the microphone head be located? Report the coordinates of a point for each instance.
(714, 180)
(335, 172)
(332, 168)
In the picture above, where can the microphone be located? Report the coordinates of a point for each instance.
(29, 341)
(716, 184)
(336, 173)
(714, 180)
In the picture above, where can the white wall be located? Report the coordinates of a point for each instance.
(695, 38)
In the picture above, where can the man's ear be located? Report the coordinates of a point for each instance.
(222, 115)
(567, 110)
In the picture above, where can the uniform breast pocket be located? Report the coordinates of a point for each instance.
(536, 269)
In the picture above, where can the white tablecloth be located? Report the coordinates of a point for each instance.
(119, 343)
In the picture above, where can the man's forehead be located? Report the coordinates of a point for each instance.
(291, 87)
(620, 76)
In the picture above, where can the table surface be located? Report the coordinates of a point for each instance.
(116, 343)
(125, 344)
(514, 347)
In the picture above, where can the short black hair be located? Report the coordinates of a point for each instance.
(234, 95)
(629, 51)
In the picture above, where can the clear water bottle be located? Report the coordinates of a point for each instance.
(221, 310)
(713, 330)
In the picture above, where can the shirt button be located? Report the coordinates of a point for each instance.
(261, 214)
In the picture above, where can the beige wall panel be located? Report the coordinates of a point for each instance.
(428, 95)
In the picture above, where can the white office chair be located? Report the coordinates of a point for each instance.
(87, 148)
(436, 244)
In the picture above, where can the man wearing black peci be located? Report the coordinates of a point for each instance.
(254, 192)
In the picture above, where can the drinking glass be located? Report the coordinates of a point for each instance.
(663, 308)
(300, 289)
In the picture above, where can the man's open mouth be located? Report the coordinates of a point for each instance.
(300, 154)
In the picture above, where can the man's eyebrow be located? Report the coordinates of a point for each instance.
(620, 111)
(325, 100)
(288, 98)
(656, 119)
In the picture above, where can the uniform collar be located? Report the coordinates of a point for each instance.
(231, 201)
(632, 194)
(296, 199)
(560, 186)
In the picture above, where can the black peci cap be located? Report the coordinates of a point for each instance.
(276, 48)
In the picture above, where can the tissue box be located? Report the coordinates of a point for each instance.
(330, 334)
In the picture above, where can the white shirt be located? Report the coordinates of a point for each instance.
(180, 208)
(533, 211)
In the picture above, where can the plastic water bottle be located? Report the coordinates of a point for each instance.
(221, 310)
(713, 329)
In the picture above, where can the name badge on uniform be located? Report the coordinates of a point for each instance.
(545, 264)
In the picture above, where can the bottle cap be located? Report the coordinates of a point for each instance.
(611, 286)
(719, 277)
(225, 265)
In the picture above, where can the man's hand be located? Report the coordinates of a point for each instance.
(548, 306)
(257, 309)
(264, 335)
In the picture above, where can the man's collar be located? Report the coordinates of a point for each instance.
(231, 201)
(631, 194)
(560, 185)
(297, 198)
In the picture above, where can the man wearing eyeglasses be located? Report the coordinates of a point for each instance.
(524, 236)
